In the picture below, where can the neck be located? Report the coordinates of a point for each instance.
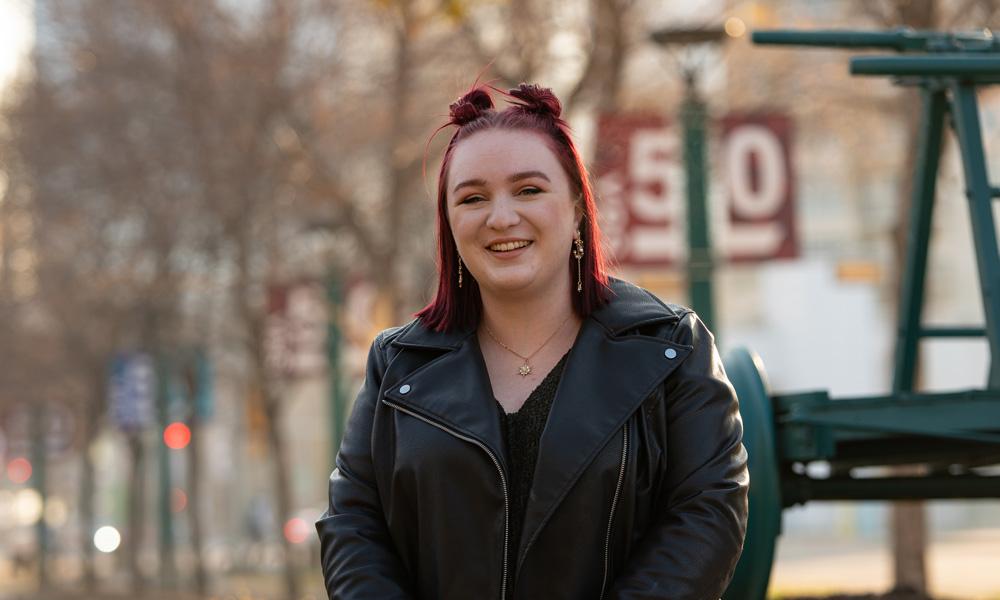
(526, 323)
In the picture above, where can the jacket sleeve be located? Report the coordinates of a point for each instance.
(692, 548)
(357, 553)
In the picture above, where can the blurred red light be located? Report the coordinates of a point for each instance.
(178, 500)
(19, 470)
(177, 435)
(297, 530)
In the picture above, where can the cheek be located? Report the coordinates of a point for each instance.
(460, 229)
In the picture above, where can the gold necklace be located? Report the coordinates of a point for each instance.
(525, 369)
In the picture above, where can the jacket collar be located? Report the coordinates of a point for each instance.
(630, 307)
(608, 374)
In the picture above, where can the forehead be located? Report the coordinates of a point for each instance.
(494, 154)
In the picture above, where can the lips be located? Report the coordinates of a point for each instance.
(508, 246)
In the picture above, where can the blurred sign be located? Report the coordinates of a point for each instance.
(641, 183)
(133, 391)
(17, 428)
(60, 428)
(640, 180)
(295, 339)
(759, 188)
(190, 378)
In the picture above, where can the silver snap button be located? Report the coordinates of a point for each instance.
(405, 389)
(670, 353)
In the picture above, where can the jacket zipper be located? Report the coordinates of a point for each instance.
(611, 517)
(503, 481)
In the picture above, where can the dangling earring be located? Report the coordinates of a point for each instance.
(578, 254)
(459, 271)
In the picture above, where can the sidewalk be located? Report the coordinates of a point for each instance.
(224, 587)
(960, 566)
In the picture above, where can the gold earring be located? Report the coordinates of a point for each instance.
(459, 271)
(578, 254)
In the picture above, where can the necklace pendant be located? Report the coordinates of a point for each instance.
(524, 370)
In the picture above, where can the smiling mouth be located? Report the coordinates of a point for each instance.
(508, 246)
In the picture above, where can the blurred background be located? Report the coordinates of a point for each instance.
(208, 208)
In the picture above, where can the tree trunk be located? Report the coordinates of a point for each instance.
(136, 513)
(39, 460)
(194, 487)
(87, 483)
(909, 539)
(283, 494)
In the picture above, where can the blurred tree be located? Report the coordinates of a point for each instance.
(59, 297)
(177, 158)
(146, 152)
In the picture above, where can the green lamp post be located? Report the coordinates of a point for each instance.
(700, 267)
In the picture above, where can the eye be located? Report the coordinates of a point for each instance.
(529, 191)
(471, 199)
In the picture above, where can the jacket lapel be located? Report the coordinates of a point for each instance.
(452, 390)
(606, 378)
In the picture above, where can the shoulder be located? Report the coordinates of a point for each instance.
(416, 335)
(632, 307)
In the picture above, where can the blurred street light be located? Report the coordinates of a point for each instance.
(297, 530)
(19, 470)
(176, 436)
(107, 539)
(701, 262)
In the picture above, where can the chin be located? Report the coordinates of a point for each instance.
(506, 284)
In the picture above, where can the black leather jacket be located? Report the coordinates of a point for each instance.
(640, 489)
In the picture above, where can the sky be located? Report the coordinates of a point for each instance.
(15, 36)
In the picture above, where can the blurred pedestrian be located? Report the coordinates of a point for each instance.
(541, 430)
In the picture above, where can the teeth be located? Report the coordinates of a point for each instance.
(508, 246)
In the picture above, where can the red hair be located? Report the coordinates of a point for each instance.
(536, 110)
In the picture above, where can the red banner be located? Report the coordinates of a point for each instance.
(640, 179)
(757, 167)
(295, 335)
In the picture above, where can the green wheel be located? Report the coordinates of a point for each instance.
(746, 372)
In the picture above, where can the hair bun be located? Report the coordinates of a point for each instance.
(537, 99)
(470, 107)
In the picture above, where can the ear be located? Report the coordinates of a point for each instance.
(578, 212)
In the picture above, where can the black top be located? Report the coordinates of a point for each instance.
(522, 431)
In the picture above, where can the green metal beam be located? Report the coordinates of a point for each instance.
(889, 428)
(902, 39)
(952, 332)
(800, 489)
(985, 67)
(968, 132)
(897, 40)
(911, 292)
(810, 426)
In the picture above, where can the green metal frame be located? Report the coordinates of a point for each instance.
(942, 95)
(953, 434)
(753, 572)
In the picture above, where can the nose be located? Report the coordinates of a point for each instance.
(503, 213)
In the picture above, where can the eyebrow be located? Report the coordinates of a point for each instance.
(512, 179)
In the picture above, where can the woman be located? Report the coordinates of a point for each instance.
(540, 430)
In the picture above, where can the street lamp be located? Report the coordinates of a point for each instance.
(701, 265)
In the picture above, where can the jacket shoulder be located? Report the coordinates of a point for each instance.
(386, 336)
(632, 307)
